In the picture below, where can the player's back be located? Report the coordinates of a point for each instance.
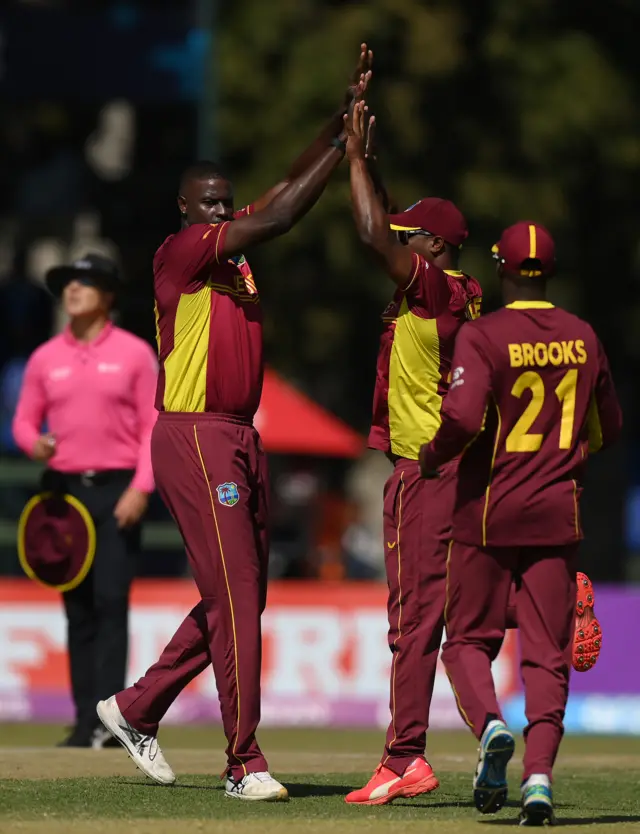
(545, 368)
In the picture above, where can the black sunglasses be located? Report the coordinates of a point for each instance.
(403, 236)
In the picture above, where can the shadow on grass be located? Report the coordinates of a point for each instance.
(296, 790)
(424, 803)
(175, 787)
(608, 819)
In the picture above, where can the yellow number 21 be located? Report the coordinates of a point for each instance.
(519, 439)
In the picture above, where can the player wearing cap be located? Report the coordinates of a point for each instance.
(532, 397)
(210, 344)
(93, 386)
(419, 250)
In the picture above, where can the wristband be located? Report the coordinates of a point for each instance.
(339, 144)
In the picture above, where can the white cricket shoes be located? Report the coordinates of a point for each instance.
(143, 749)
(256, 787)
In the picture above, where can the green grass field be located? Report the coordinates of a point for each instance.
(44, 790)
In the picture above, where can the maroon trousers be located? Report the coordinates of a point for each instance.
(417, 530)
(211, 472)
(479, 582)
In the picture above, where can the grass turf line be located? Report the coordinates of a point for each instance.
(596, 784)
(609, 799)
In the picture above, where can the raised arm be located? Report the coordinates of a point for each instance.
(371, 155)
(465, 405)
(369, 212)
(285, 210)
(317, 148)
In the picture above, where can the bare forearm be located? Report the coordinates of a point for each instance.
(301, 194)
(379, 186)
(368, 210)
(319, 145)
(284, 210)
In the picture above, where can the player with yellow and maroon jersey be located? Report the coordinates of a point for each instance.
(432, 300)
(532, 396)
(208, 460)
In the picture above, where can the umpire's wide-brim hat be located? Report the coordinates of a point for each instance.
(56, 540)
(93, 269)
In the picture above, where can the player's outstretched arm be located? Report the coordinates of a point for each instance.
(369, 212)
(285, 210)
(371, 155)
(465, 406)
(604, 422)
(311, 154)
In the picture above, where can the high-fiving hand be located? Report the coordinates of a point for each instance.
(361, 76)
(358, 125)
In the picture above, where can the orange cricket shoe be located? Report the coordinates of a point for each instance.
(385, 786)
(587, 641)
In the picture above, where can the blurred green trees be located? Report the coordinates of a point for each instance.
(515, 110)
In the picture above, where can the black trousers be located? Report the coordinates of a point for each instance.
(98, 609)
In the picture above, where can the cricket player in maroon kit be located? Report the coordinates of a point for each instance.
(531, 397)
(419, 250)
(208, 460)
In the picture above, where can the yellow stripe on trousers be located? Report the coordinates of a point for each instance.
(395, 642)
(464, 715)
(226, 579)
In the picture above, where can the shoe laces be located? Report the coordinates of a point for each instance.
(142, 743)
(262, 776)
(150, 744)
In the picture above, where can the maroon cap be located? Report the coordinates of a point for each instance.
(526, 241)
(56, 540)
(440, 217)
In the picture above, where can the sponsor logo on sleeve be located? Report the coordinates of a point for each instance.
(457, 378)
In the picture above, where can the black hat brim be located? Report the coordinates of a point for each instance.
(57, 279)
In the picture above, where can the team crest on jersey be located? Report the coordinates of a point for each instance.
(473, 308)
(390, 312)
(228, 494)
(246, 281)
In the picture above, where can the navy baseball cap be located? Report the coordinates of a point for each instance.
(96, 270)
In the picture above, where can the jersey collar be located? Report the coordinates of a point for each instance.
(100, 338)
(530, 305)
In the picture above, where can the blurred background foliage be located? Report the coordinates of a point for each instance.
(514, 110)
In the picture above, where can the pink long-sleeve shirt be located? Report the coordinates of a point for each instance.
(98, 401)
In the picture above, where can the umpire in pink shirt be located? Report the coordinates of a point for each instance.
(94, 386)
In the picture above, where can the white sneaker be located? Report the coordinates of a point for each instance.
(490, 783)
(537, 801)
(257, 787)
(144, 750)
(101, 738)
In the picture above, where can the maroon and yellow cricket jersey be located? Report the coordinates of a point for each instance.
(531, 396)
(414, 361)
(208, 325)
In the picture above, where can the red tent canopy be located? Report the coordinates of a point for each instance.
(291, 423)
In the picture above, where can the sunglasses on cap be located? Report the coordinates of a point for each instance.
(403, 236)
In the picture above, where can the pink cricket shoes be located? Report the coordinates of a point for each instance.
(588, 631)
(385, 786)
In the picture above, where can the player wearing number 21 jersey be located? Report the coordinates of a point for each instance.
(531, 398)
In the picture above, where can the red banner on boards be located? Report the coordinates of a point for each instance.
(326, 659)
